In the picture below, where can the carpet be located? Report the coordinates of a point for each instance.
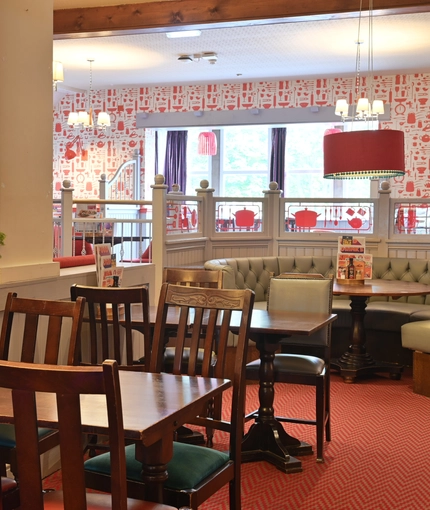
(378, 458)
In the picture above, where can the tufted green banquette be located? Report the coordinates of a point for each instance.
(384, 315)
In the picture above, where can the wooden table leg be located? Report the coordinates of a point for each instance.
(154, 461)
(267, 439)
(356, 360)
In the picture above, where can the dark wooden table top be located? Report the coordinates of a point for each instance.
(288, 323)
(154, 405)
(262, 321)
(379, 287)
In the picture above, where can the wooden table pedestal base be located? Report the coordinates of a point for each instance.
(267, 440)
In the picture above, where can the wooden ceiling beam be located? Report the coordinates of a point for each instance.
(185, 14)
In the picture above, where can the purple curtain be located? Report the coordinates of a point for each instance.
(277, 157)
(175, 162)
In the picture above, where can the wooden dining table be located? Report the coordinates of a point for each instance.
(154, 406)
(356, 361)
(266, 439)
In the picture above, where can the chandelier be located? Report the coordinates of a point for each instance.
(366, 107)
(83, 119)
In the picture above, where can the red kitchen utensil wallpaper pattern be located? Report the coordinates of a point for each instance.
(103, 152)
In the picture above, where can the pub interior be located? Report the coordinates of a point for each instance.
(34, 167)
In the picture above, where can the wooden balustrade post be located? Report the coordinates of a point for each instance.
(103, 186)
(382, 218)
(159, 191)
(66, 219)
(271, 212)
(136, 175)
(207, 215)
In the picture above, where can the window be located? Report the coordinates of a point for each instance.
(198, 167)
(241, 167)
(245, 159)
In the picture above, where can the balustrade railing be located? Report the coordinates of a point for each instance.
(239, 215)
(176, 229)
(410, 217)
(333, 216)
(79, 224)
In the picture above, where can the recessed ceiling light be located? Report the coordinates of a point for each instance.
(183, 33)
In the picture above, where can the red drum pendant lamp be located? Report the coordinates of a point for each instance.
(365, 153)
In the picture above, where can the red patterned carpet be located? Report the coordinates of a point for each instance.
(378, 458)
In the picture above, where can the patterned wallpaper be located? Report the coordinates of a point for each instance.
(103, 152)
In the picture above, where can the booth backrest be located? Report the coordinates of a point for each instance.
(255, 272)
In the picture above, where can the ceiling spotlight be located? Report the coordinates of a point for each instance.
(183, 33)
(185, 58)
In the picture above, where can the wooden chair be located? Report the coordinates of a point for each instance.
(304, 360)
(67, 383)
(190, 278)
(109, 309)
(60, 315)
(193, 277)
(111, 332)
(195, 472)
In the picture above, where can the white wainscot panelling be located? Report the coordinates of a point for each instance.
(185, 255)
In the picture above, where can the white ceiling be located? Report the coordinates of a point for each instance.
(282, 51)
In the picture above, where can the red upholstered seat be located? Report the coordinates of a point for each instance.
(82, 260)
(78, 247)
(78, 259)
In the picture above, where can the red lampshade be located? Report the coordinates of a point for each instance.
(207, 144)
(69, 153)
(364, 154)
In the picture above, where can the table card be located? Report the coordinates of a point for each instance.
(108, 273)
(353, 263)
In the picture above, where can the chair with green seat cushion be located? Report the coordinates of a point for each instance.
(195, 472)
(109, 311)
(189, 466)
(63, 388)
(33, 320)
(7, 435)
(189, 277)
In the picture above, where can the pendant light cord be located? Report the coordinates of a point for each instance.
(90, 93)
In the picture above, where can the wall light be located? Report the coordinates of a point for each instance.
(57, 74)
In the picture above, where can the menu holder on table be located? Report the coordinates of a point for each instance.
(354, 265)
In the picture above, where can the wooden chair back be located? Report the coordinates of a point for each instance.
(60, 315)
(208, 312)
(202, 312)
(50, 332)
(66, 384)
(193, 277)
(111, 308)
